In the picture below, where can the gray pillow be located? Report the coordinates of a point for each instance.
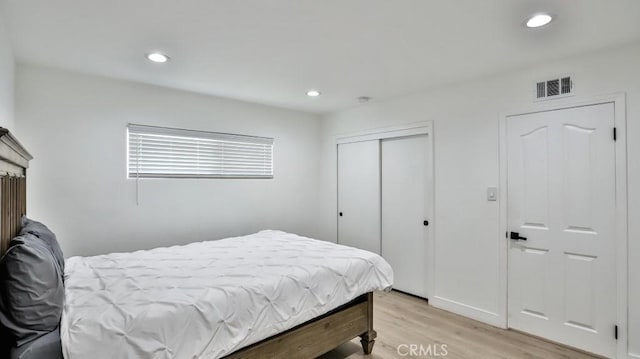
(31, 290)
(49, 238)
(46, 347)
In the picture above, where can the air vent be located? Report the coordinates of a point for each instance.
(565, 82)
(542, 90)
(554, 88)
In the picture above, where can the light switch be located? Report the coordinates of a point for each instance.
(492, 194)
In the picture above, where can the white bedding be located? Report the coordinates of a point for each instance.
(208, 299)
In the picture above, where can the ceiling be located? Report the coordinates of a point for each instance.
(273, 51)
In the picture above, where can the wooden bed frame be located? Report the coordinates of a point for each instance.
(308, 340)
(319, 335)
(14, 161)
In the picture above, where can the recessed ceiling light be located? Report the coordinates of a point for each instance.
(313, 93)
(538, 20)
(157, 57)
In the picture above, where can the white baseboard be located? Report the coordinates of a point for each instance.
(468, 311)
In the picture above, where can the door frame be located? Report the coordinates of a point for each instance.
(404, 130)
(621, 227)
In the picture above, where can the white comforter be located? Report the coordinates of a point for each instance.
(208, 299)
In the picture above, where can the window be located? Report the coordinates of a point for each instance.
(159, 152)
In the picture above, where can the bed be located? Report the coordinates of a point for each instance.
(267, 295)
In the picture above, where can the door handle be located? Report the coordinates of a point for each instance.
(425, 223)
(340, 214)
(516, 236)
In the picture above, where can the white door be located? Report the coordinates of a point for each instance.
(404, 161)
(359, 195)
(561, 198)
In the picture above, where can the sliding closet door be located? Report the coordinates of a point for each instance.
(359, 195)
(404, 231)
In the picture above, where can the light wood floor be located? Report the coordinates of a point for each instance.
(399, 318)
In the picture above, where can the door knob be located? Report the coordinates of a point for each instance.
(516, 236)
(426, 223)
(340, 214)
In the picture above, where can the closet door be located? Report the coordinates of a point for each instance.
(359, 195)
(404, 162)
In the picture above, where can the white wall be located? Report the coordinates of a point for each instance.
(466, 124)
(6, 77)
(74, 125)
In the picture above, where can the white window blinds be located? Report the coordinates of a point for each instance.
(159, 152)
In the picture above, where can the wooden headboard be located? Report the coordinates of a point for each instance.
(14, 161)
